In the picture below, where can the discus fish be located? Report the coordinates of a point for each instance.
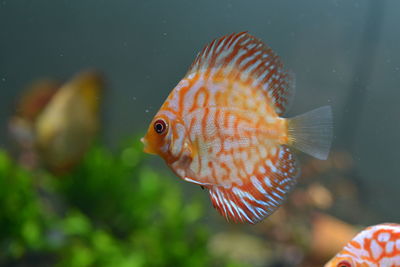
(221, 128)
(376, 246)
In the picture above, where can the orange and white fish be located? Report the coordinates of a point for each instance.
(376, 246)
(220, 128)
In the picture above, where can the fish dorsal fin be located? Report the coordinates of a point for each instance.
(244, 57)
(262, 193)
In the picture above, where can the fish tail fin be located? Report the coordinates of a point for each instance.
(311, 132)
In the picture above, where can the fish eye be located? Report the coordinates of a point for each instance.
(344, 264)
(160, 126)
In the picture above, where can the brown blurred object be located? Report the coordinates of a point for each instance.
(320, 196)
(240, 247)
(22, 124)
(57, 125)
(35, 98)
(329, 235)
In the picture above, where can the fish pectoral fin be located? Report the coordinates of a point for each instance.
(261, 193)
(193, 181)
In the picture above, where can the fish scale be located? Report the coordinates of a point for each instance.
(231, 138)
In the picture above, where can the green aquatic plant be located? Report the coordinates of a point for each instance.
(112, 210)
(22, 221)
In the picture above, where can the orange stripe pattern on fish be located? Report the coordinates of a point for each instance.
(376, 246)
(221, 128)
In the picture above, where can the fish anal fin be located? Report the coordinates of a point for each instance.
(261, 193)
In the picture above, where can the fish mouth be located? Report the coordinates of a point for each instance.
(147, 148)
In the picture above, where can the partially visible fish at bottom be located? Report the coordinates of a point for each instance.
(375, 246)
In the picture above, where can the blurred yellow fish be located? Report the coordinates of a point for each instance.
(221, 128)
(67, 125)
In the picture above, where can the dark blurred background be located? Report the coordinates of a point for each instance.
(345, 53)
